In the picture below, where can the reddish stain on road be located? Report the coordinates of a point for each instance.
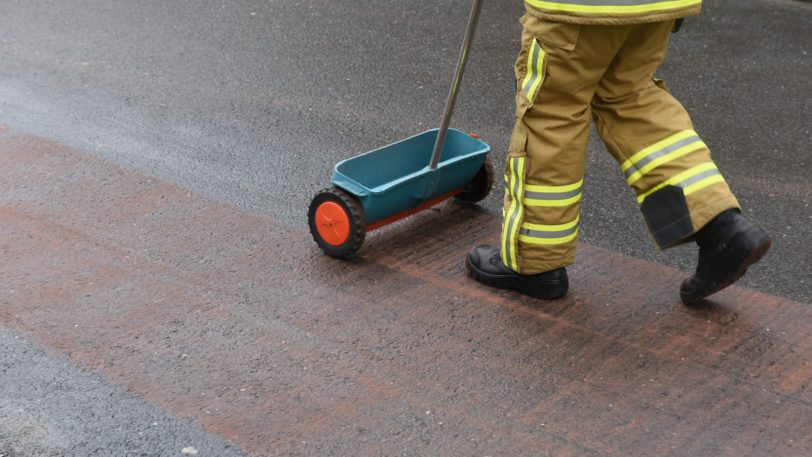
(237, 322)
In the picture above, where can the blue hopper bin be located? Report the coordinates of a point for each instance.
(393, 182)
(397, 177)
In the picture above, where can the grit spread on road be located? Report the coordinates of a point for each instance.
(234, 322)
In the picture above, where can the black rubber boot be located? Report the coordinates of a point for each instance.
(485, 265)
(728, 244)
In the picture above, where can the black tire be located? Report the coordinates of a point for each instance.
(354, 215)
(480, 186)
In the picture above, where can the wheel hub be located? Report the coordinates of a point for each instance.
(332, 223)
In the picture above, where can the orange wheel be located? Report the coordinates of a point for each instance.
(337, 222)
(332, 223)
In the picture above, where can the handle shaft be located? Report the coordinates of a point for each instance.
(455, 85)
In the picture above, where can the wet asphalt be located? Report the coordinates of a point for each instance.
(251, 103)
(51, 408)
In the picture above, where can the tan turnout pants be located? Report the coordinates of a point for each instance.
(567, 75)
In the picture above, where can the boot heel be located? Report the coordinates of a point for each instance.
(754, 245)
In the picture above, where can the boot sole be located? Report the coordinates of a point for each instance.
(548, 290)
(751, 255)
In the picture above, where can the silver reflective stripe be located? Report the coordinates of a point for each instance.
(699, 177)
(512, 221)
(534, 61)
(659, 153)
(556, 234)
(607, 2)
(552, 195)
(691, 180)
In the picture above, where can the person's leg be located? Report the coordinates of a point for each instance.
(679, 188)
(558, 76)
(650, 134)
(557, 72)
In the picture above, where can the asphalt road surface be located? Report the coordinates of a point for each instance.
(160, 295)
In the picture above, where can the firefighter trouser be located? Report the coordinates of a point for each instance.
(567, 75)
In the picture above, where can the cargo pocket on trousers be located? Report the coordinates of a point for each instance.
(515, 173)
(546, 38)
(557, 34)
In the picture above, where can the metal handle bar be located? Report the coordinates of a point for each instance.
(452, 95)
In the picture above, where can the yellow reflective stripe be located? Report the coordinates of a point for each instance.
(662, 152)
(549, 234)
(564, 202)
(535, 71)
(514, 242)
(613, 6)
(688, 190)
(551, 228)
(677, 153)
(566, 195)
(553, 189)
(548, 241)
(506, 250)
(530, 69)
(707, 166)
(515, 214)
(662, 144)
(691, 180)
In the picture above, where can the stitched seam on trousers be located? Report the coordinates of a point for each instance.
(675, 222)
